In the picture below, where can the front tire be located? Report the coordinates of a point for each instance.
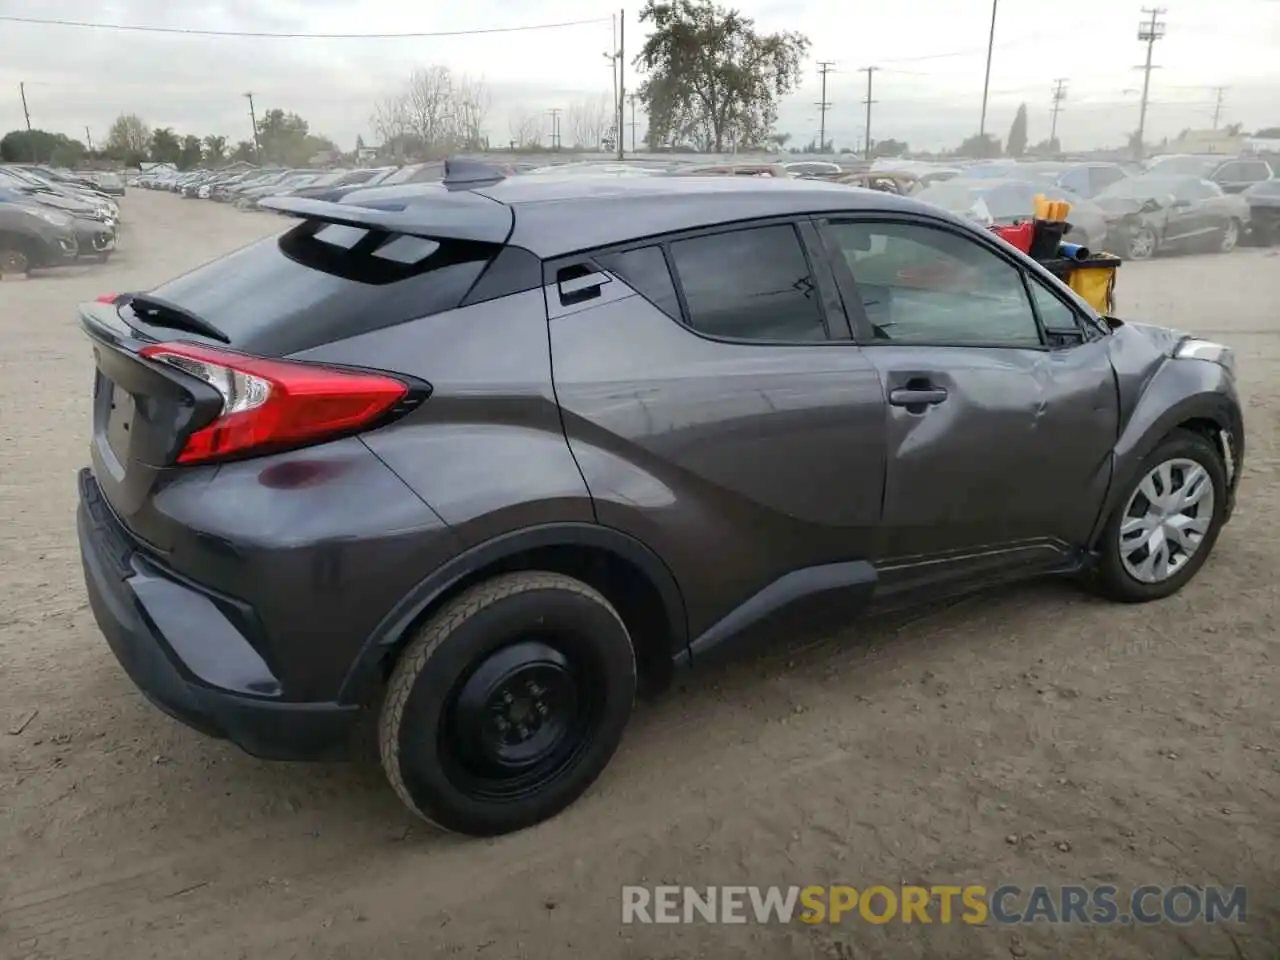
(508, 703)
(1167, 523)
(1143, 243)
(1230, 237)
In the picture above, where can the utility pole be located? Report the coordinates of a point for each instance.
(22, 89)
(824, 67)
(253, 119)
(555, 128)
(1059, 94)
(986, 83)
(1149, 31)
(869, 71)
(622, 80)
(1220, 95)
(89, 138)
(632, 99)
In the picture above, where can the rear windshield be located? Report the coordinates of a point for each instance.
(321, 282)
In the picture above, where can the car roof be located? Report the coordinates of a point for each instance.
(554, 216)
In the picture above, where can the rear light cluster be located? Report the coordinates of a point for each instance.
(271, 404)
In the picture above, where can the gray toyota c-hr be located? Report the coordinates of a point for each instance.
(488, 455)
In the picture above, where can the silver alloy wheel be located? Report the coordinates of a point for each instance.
(1166, 520)
(1230, 236)
(1142, 244)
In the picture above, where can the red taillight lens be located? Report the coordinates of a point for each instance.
(275, 403)
(109, 298)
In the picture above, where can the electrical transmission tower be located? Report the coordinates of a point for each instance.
(1059, 94)
(824, 67)
(1149, 31)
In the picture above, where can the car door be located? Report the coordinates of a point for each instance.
(1188, 220)
(720, 412)
(1001, 405)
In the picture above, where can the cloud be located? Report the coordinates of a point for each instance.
(928, 90)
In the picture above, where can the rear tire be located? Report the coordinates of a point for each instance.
(507, 704)
(1135, 530)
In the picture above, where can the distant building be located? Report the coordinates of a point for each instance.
(1207, 141)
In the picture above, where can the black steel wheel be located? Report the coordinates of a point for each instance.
(508, 703)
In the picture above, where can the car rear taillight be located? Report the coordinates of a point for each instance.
(272, 404)
(108, 298)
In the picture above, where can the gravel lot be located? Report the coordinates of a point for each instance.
(1033, 736)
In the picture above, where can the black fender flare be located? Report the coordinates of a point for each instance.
(1181, 391)
(392, 628)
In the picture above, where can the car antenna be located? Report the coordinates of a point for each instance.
(465, 174)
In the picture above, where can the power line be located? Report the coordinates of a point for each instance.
(824, 67)
(259, 35)
(869, 71)
(1059, 94)
(1148, 32)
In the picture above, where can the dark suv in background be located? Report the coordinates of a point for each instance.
(489, 455)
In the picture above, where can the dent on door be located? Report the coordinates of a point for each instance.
(1007, 470)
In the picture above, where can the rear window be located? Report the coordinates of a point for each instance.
(321, 282)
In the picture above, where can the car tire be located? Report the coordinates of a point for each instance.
(13, 258)
(508, 703)
(1143, 244)
(1122, 571)
(1229, 239)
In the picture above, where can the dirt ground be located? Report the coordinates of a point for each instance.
(1033, 736)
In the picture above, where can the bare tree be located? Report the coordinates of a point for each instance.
(471, 102)
(430, 106)
(390, 119)
(525, 129)
(589, 120)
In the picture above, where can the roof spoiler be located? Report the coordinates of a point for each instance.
(438, 214)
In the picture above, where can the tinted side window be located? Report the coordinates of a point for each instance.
(927, 285)
(1229, 172)
(645, 271)
(1256, 170)
(750, 284)
(1103, 177)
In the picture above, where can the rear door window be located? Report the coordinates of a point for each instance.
(322, 282)
(645, 271)
(751, 284)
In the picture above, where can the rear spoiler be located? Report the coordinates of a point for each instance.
(437, 214)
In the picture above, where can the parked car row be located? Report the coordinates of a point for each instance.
(245, 188)
(51, 217)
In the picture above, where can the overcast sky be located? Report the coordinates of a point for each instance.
(931, 55)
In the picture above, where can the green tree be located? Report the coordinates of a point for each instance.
(37, 146)
(191, 153)
(67, 153)
(1016, 145)
(129, 139)
(1268, 133)
(165, 146)
(979, 147)
(888, 148)
(244, 152)
(215, 150)
(711, 79)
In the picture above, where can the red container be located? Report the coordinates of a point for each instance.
(1020, 235)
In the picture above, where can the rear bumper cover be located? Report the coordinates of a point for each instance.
(185, 657)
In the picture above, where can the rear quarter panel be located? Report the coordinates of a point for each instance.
(487, 451)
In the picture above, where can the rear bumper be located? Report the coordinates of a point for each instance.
(185, 656)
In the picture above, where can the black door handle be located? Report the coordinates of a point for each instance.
(917, 396)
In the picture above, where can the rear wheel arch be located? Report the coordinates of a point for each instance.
(627, 573)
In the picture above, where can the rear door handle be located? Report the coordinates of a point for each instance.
(917, 396)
